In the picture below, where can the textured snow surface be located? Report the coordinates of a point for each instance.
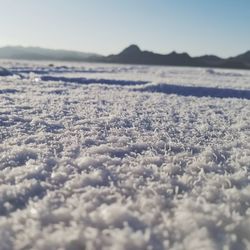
(93, 165)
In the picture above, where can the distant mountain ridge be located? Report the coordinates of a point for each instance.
(130, 55)
(134, 55)
(37, 53)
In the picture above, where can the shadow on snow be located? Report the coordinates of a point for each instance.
(92, 81)
(197, 91)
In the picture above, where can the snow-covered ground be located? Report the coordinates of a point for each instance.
(124, 157)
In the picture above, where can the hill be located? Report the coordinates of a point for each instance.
(37, 53)
(134, 55)
(130, 55)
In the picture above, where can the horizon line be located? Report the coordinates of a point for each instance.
(113, 53)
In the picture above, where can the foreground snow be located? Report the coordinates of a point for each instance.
(103, 166)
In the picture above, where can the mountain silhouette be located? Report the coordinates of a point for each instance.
(132, 49)
(134, 55)
(37, 53)
(130, 55)
(245, 58)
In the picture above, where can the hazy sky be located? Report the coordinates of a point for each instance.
(106, 26)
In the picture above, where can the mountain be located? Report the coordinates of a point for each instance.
(134, 55)
(37, 53)
(244, 57)
(207, 59)
(130, 55)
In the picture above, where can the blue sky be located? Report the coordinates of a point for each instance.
(107, 26)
